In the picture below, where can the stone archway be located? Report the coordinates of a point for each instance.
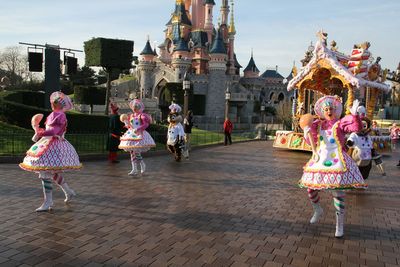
(164, 97)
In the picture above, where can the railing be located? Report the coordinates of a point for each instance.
(16, 143)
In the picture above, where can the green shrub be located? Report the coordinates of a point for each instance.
(15, 112)
(108, 53)
(15, 109)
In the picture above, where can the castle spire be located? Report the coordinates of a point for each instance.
(232, 29)
(224, 12)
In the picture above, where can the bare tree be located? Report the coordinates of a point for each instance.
(14, 63)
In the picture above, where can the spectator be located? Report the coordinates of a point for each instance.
(375, 129)
(116, 131)
(228, 127)
(188, 125)
(394, 135)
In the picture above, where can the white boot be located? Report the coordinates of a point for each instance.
(318, 211)
(48, 202)
(142, 167)
(134, 169)
(339, 224)
(69, 193)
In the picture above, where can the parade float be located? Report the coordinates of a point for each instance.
(326, 71)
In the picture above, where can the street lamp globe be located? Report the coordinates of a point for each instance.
(227, 94)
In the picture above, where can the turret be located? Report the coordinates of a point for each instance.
(147, 53)
(231, 45)
(181, 60)
(145, 68)
(218, 53)
(208, 25)
(251, 71)
(198, 14)
(224, 12)
(217, 77)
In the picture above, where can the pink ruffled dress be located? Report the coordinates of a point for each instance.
(137, 139)
(335, 169)
(52, 152)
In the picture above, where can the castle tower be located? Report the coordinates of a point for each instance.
(224, 12)
(145, 68)
(217, 77)
(231, 45)
(251, 71)
(208, 24)
(181, 60)
(198, 14)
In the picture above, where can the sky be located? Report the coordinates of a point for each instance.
(278, 32)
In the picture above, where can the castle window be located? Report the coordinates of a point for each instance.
(180, 76)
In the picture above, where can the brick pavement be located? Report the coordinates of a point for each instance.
(227, 206)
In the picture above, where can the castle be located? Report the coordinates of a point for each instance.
(204, 53)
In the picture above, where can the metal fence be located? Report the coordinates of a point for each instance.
(16, 143)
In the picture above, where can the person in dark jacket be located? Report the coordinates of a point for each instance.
(228, 127)
(116, 130)
(188, 125)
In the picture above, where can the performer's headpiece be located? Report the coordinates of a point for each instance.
(334, 102)
(62, 99)
(175, 108)
(136, 104)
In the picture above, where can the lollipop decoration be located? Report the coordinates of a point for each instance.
(35, 125)
(305, 123)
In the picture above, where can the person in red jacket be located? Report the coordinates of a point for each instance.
(228, 127)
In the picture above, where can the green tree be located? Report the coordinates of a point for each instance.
(83, 76)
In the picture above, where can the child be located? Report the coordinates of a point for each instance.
(330, 167)
(52, 154)
(136, 139)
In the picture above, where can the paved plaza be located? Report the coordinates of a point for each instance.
(227, 206)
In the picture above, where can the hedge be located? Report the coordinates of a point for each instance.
(19, 114)
(89, 95)
(15, 113)
(109, 53)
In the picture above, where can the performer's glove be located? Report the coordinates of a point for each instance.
(353, 109)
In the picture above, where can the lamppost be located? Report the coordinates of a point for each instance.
(186, 88)
(262, 108)
(227, 98)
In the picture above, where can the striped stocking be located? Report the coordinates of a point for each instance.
(313, 195)
(139, 156)
(58, 178)
(47, 186)
(133, 157)
(338, 200)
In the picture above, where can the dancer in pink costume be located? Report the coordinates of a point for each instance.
(52, 154)
(136, 139)
(330, 167)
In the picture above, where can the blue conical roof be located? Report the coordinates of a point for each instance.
(209, 2)
(252, 66)
(147, 49)
(181, 45)
(218, 46)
